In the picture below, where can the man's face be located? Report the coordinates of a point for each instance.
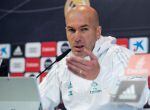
(81, 32)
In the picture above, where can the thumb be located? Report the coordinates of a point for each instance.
(90, 54)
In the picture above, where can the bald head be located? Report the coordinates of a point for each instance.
(84, 10)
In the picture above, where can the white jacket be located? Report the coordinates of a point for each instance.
(81, 94)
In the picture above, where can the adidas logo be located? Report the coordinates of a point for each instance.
(17, 51)
(129, 93)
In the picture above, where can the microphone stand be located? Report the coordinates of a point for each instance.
(46, 69)
(57, 60)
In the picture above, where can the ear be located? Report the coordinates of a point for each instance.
(98, 32)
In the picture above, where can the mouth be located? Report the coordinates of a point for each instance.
(79, 48)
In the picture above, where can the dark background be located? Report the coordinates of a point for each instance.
(43, 20)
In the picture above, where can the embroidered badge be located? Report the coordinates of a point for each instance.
(95, 88)
(70, 93)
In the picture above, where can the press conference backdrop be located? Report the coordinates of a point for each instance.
(32, 32)
(42, 20)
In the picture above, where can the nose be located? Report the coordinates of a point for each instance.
(77, 37)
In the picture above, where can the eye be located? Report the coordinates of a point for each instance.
(71, 30)
(84, 29)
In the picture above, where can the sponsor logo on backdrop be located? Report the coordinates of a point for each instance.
(4, 50)
(17, 50)
(46, 61)
(33, 49)
(16, 74)
(62, 46)
(32, 65)
(139, 65)
(17, 65)
(139, 45)
(129, 93)
(42, 76)
(48, 49)
(122, 42)
(32, 75)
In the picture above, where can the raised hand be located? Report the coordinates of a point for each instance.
(88, 69)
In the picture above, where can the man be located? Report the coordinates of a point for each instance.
(91, 74)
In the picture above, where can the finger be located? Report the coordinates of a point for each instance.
(72, 67)
(76, 70)
(79, 60)
(79, 65)
(90, 54)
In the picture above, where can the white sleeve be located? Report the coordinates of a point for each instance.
(120, 61)
(49, 90)
(116, 60)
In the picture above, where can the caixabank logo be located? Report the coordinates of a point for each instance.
(4, 50)
(139, 45)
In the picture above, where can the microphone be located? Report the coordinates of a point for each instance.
(57, 60)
